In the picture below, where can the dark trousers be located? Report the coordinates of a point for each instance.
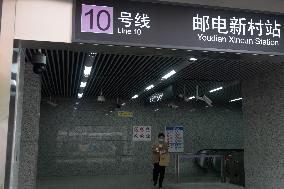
(158, 170)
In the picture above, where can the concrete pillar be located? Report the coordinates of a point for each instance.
(263, 110)
(6, 50)
(15, 121)
(30, 129)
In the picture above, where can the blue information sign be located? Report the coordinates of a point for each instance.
(174, 137)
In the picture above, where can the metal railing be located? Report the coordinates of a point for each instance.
(186, 156)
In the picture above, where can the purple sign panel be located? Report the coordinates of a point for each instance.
(97, 19)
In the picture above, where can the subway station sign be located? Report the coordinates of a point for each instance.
(135, 23)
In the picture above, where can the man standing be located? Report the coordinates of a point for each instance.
(160, 159)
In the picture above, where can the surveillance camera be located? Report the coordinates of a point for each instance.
(39, 63)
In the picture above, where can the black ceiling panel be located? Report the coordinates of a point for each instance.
(123, 75)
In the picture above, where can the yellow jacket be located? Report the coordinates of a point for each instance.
(161, 154)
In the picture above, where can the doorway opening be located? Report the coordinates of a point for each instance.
(93, 96)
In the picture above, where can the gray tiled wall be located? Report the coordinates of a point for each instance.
(89, 142)
(263, 109)
(30, 129)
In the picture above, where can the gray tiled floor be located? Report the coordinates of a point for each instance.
(206, 186)
(120, 182)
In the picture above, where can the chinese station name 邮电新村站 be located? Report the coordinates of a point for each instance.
(237, 30)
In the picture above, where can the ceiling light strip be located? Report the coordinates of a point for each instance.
(237, 99)
(217, 89)
(168, 75)
(135, 96)
(88, 65)
(149, 87)
(190, 98)
(139, 74)
(161, 60)
(96, 66)
(165, 66)
(151, 66)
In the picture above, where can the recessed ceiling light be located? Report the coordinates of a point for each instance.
(80, 95)
(217, 89)
(187, 99)
(193, 59)
(237, 99)
(135, 96)
(96, 44)
(238, 53)
(149, 87)
(81, 43)
(87, 71)
(158, 48)
(205, 51)
(168, 75)
(83, 84)
(174, 49)
(222, 52)
(142, 47)
(254, 54)
(13, 82)
(126, 46)
(189, 50)
(190, 98)
(272, 55)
